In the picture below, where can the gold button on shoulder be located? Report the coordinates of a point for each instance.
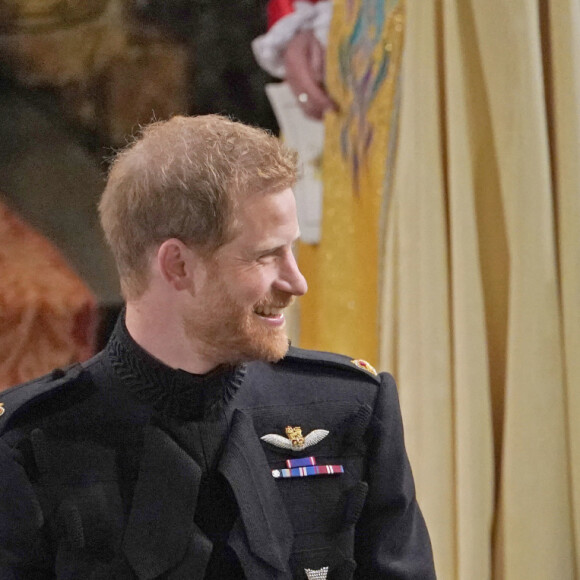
(2, 409)
(363, 364)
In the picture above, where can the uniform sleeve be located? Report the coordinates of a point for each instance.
(23, 554)
(391, 536)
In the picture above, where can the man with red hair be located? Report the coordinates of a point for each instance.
(198, 444)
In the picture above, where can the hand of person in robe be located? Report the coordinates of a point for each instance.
(305, 59)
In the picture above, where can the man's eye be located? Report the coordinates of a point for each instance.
(273, 254)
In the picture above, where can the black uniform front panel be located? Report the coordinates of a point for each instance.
(116, 491)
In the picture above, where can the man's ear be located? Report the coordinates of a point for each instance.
(175, 262)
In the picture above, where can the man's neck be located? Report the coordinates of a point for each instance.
(161, 333)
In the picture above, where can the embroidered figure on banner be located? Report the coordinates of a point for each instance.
(364, 56)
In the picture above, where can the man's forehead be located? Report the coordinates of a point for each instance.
(265, 225)
(279, 206)
(255, 240)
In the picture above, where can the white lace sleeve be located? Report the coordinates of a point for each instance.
(269, 48)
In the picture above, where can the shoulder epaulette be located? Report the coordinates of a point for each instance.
(334, 360)
(18, 399)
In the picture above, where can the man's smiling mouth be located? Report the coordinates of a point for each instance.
(268, 311)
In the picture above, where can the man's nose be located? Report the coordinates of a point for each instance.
(291, 279)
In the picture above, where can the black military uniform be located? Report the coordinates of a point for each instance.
(125, 468)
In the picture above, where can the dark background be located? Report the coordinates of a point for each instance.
(75, 83)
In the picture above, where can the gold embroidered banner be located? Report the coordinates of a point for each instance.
(339, 312)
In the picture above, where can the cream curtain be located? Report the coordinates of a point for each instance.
(480, 298)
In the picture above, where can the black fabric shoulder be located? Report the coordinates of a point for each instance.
(19, 399)
(328, 359)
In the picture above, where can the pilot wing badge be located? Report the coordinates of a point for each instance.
(294, 439)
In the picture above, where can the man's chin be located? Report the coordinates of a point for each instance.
(274, 355)
(268, 348)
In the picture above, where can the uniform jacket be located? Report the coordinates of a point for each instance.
(101, 471)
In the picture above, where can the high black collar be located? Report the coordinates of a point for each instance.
(172, 392)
